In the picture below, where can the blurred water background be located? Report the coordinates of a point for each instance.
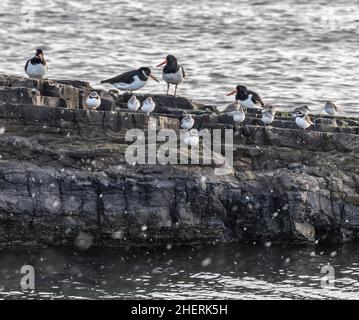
(291, 52)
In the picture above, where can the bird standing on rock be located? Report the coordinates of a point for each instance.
(247, 98)
(148, 106)
(268, 114)
(93, 100)
(303, 121)
(187, 122)
(192, 138)
(172, 73)
(36, 67)
(133, 104)
(331, 108)
(131, 80)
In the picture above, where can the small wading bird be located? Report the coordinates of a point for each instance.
(247, 98)
(131, 80)
(93, 100)
(172, 73)
(148, 106)
(187, 122)
(303, 121)
(36, 67)
(236, 111)
(133, 104)
(268, 114)
(331, 108)
(192, 138)
(302, 110)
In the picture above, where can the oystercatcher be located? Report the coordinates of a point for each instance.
(148, 106)
(247, 98)
(331, 108)
(36, 67)
(93, 100)
(131, 80)
(172, 73)
(133, 104)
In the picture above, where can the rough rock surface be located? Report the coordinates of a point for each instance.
(64, 178)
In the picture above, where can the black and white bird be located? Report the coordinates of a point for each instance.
(247, 98)
(148, 106)
(268, 114)
(331, 108)
(303, 121)
(131, 80)
(187, 122)
(172, 73)
(192, 138)
(36, 67)
(133, 104)
(93, 100)
(302, 110)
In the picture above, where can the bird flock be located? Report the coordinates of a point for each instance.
(174, 74)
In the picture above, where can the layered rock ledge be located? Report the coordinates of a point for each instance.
(64, 178)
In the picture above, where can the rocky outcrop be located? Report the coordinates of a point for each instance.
(64, 178)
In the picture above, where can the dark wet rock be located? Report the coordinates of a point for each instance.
(64, 178)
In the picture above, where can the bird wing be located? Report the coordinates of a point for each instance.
(336, 108)
(26, 65)
(231, 107)
(126, 77)
(183, 72)
(256, 98)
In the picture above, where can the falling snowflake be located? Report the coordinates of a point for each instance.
(206, 262)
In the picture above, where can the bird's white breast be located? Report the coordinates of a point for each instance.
(173, 78)
(187, 123)
(302, 123)
(135, 85)
(239, 116)
(148, 107)
(191, 140)
(267, 118)
(133, 105)
(249, 104)
(330, 110)
(93, 103)
(36, 70)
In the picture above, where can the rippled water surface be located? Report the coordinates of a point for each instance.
(291, 51)
(223, 272)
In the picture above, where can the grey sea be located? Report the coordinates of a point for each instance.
(229, 271)
(292, 52)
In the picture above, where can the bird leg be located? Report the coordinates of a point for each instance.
(168, 88)
(175, 90)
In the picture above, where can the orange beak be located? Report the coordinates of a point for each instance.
(232, 92)
(162, 63)
(154, 78)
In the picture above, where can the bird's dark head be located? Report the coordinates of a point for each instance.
(148, 73)
(170, 59)
(39, 53)
(239, 88)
